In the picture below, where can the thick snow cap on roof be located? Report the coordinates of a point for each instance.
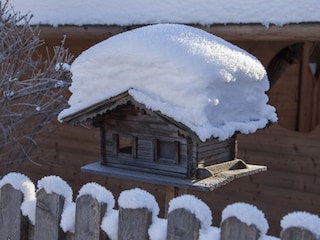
(198, 79)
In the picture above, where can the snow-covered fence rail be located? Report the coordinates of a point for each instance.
(50, 213)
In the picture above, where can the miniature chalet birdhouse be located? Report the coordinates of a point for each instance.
(169, 100)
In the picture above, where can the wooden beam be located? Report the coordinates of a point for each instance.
(257, 32)
(230, 32)
(305, 113)
(79, 32)
(171, 193)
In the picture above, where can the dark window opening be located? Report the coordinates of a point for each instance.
(167, 152)
(287, 57)
(294, 75)
(124, 144)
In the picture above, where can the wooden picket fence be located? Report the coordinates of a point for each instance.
(132, 223)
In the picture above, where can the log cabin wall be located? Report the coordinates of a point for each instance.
(153, 139)
(292, 181)
(215, 151)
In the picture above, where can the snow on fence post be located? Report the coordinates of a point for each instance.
(91, 205)
(188, 216)
(300, 226)
(17, 197)
(13, 225)
(52, 194)
(137, 210)
(242, 221)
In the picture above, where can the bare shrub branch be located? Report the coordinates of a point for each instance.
(32, 87)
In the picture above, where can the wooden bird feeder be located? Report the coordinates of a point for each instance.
(140, 142)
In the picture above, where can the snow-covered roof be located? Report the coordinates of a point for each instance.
(194, 77)
(205, 12)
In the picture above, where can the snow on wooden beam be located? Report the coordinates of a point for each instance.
(234, 32)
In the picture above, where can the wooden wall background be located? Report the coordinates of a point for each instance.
(292, 181)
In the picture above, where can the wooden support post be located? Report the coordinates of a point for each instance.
(134, 223)
(171, 193)
(297, 233)
(306, 90)
(182, 225)
(13, 225)
(89, 213)
(233, 229)
(48, 214)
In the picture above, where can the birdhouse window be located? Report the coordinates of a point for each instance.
(166, 152)
(124, 144)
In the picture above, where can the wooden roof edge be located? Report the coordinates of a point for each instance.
(231, 32)
(97, 109)
(114, 102)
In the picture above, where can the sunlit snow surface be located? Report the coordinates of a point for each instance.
(200, 80)
(128, 12)
(95, 190)
(302, 219)
(248, 214)
(139, 198)
(22, 183)
(195, 206)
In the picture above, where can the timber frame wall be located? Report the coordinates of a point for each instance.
(292, 181)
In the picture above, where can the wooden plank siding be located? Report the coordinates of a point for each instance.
(287, 104)
(146, 128)
(219, 152)
(308, 91)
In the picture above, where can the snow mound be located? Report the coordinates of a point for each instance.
(195, 206)
(302, 219)
(101, 194)
(194, 77)
(68, 217)
(139, 198)
(98, 192)
(55, 184)
(158, 229)
(212, 233)
(248, 214)
(110, 224)
(22, 183)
